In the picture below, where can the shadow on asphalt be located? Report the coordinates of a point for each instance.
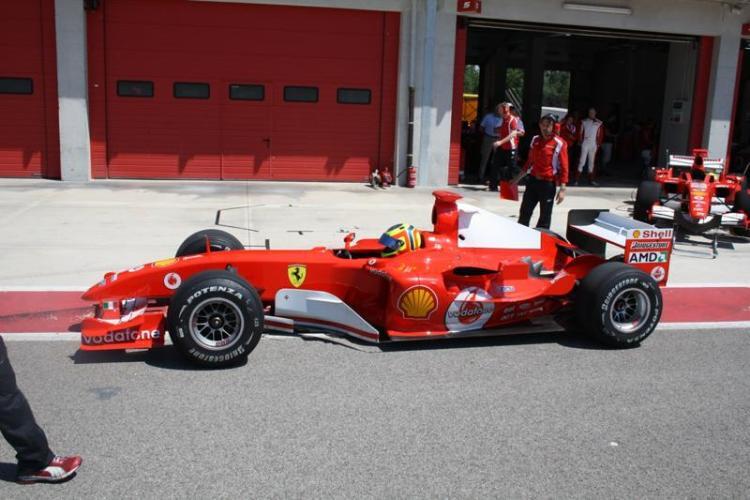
(164, 357)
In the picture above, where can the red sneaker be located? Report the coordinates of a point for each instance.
(59, 469)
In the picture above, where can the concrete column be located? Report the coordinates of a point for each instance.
(721, 93)
(70, 27)
(436, 39)
(533, 82)
(679, 89)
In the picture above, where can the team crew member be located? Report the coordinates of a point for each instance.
(592, 134)
(547, 166)
(504, 157)
(489, 125)
(569, 131)
(36, 463)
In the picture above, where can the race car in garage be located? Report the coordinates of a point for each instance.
(474, 273)
(695, 194)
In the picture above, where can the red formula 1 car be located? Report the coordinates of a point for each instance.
(695, 194)
(474, 273)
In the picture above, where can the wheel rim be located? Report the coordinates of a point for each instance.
(216, 323)
(630, 310)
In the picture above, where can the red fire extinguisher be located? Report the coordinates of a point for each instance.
(411, 177)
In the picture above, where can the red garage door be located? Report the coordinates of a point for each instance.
(29, 141)
(233, 91)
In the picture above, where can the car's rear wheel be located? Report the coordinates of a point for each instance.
(215, 319)
(647, 195)
(618, 305)
(218, 240)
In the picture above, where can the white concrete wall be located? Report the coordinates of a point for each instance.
(721, 91)
(680, 85)
(72, 90)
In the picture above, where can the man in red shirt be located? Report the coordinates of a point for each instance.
(547, 167)
(504, 156)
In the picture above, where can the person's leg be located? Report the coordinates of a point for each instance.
(581, 161)
(486, 154)
(499, 160)
(546, 202)
(17, 422)
(591, 164)
(530, 199)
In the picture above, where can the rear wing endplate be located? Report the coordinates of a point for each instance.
(647, 247)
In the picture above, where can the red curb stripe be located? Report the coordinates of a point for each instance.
(698, 305)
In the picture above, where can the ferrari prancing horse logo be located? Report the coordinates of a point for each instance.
(297, 274)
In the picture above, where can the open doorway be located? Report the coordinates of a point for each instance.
(632, 79)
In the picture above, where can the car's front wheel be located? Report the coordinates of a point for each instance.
(215, 319)
(618, 305)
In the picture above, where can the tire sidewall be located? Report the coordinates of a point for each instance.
(191, 295)
(606, 296)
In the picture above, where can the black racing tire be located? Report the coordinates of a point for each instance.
(742, 202)
(618, 305)
(215, 319)
(648, 194)
(218, 239)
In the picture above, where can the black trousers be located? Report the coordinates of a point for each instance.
(503, 167)
(543, 193)
(17, 423)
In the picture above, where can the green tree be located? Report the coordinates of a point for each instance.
(556, 90)
(471, 79)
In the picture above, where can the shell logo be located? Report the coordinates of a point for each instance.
(636, 234)
(417, 302)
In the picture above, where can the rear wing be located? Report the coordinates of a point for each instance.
(681, 163)
(646, 247)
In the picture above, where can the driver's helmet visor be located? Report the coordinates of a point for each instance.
(390, 242)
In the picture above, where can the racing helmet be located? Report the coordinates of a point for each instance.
(400, 238)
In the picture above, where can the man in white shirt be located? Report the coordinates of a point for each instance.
(592, 134)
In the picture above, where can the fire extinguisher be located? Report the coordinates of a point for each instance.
(411, 176)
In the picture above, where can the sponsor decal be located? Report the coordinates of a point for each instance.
(371, 262)
(165, 262)
(417, 302)
(651, 234)
(647, 257)
(120, 336)
(650, 245)
(381, 273)
(172, 280)
(215, 288)
(658, 273)
(134, 269)
(470, 310)
(502, 289)
(297, 274)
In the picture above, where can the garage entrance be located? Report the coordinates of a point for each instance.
(210, 90)
(641, 85)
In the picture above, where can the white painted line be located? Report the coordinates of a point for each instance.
(708, 285)
(719, 325)
(40, 288)
(43, 336)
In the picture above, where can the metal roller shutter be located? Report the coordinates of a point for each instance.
(272, 92)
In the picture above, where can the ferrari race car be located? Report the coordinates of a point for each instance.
(475, 273)
(695, 194)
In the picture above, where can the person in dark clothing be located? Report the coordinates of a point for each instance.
(546, 166)
(36, 462)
